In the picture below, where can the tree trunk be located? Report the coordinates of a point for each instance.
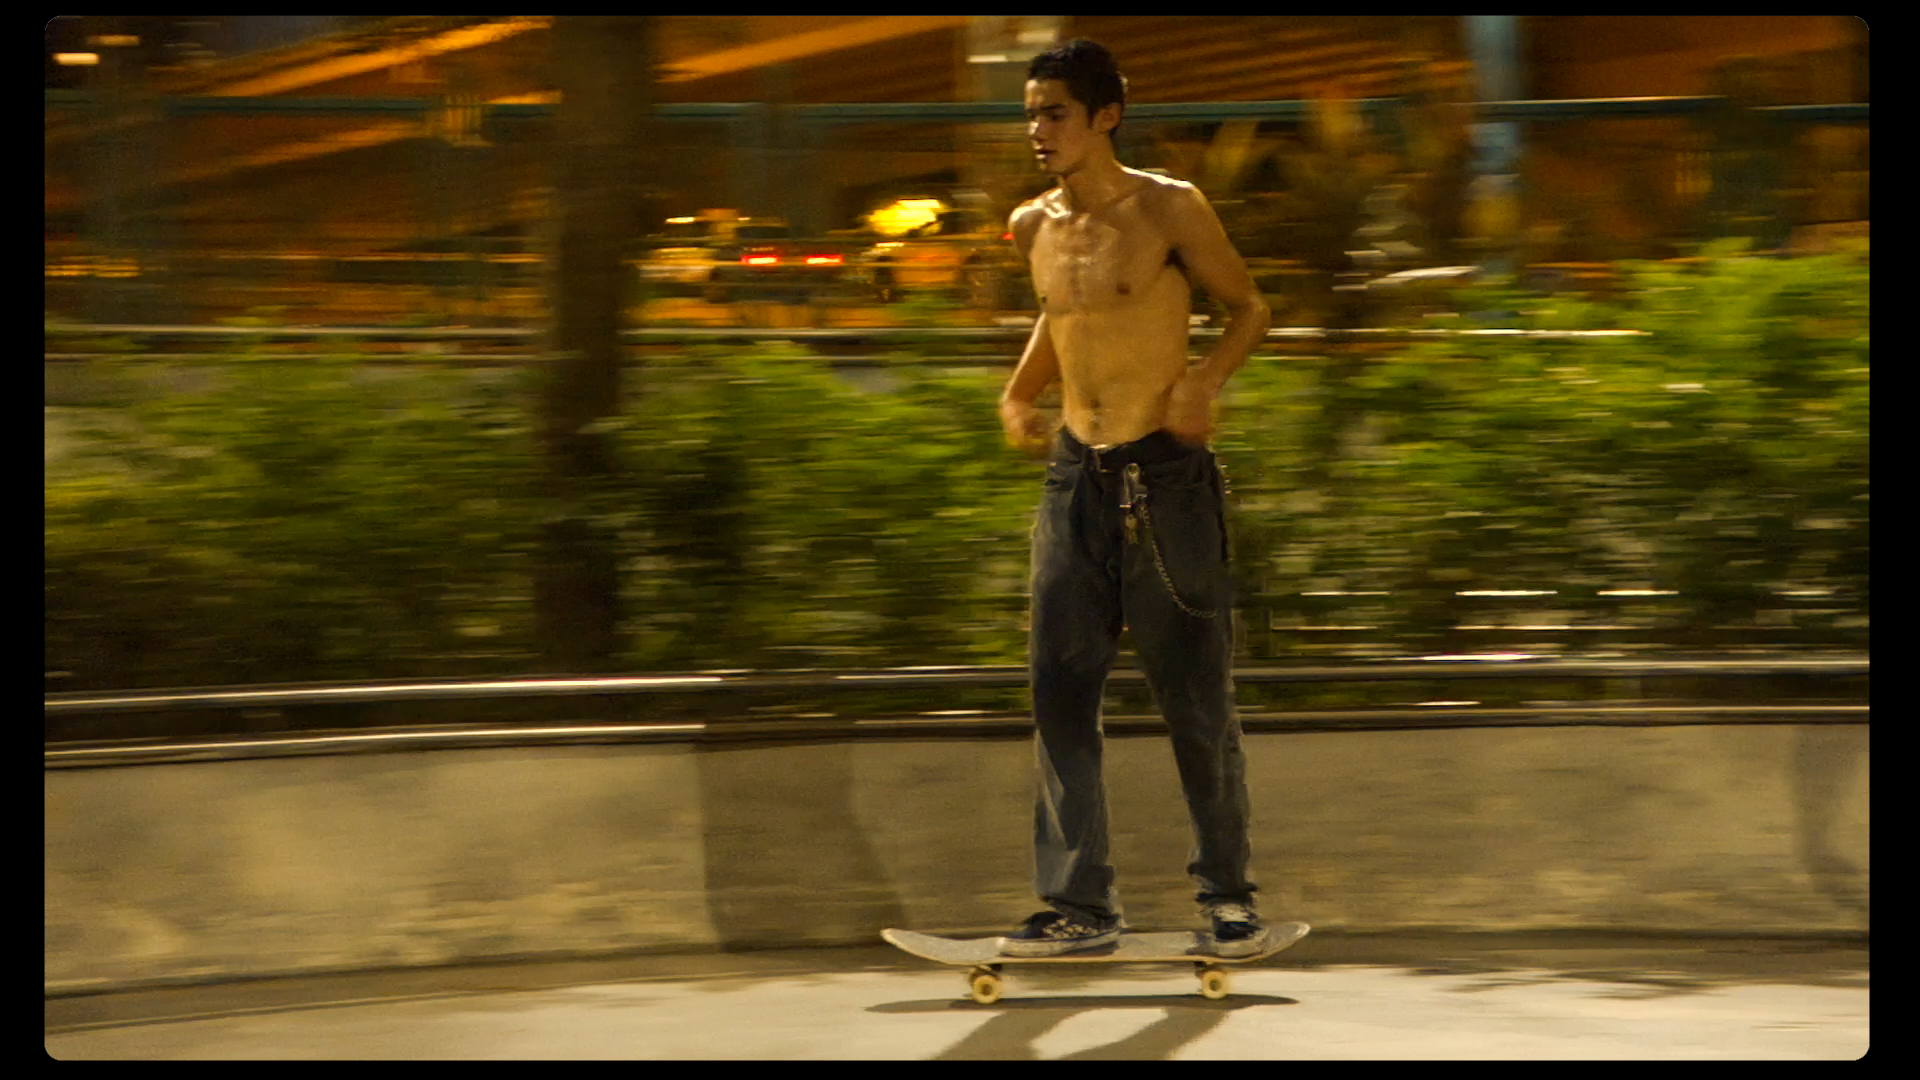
(603, 68)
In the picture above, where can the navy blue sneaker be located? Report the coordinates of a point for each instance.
(1237, 931)
(1051, 933)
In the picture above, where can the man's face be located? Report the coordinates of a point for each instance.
(1058, 128)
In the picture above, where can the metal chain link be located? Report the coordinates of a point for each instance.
(1153, 542)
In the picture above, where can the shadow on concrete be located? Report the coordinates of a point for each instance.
(1640, 966)
(786, 857)
(1827, 767)
(1083, 1004)
(1658, 983)
(1019, 1023)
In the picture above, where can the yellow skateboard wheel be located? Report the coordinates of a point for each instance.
(1214, 983)
(983, 986)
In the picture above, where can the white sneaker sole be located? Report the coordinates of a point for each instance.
(1025, 948)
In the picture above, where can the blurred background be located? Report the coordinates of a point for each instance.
(630, 381)
(378, 171)
(372, 353)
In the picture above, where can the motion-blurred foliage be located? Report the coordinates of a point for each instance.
(286, 521)
(1723, 457)
(280, 521)
(783, 515)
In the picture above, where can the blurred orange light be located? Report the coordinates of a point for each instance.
(760, 260)
(76, 59)
(825, 260)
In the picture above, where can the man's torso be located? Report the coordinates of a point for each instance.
(1117, 303)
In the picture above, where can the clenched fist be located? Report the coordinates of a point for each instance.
(1028, 429)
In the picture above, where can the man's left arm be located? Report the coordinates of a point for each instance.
(1197, 237)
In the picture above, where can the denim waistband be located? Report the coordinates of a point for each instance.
(1161, 446)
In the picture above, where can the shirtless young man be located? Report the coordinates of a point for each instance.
(1131, 529)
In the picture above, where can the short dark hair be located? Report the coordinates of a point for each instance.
(1088, 70)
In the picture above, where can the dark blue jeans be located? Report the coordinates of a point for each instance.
(1166, 578)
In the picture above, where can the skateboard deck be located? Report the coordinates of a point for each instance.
(984, 959)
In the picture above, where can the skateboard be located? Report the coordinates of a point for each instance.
(983, 960)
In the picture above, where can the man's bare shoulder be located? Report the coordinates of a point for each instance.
(1180, 211)
(1029, 214)
(1167, 195)
(1025, 220)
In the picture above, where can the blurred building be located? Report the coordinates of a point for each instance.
(318, 179)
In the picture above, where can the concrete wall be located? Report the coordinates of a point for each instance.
(302, 864)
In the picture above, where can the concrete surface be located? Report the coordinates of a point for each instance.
(1488, 997)
(279, 866)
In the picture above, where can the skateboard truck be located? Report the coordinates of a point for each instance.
(985, 984)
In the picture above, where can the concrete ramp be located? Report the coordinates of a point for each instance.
(158, 873)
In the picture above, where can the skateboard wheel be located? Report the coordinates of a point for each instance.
(1214, 983)
(983, 986)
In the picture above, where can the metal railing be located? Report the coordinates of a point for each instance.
(1467, 666)
(944, 724)
(1014, 333)
(973, 112)
(520, 345)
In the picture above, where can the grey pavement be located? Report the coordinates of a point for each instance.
(1400, 996)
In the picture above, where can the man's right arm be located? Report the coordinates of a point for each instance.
(1027, 430)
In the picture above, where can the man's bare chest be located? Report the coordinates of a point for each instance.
(1091, 262)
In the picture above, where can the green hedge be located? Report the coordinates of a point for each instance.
(278, 521)
(285, 521)
(1722, 457)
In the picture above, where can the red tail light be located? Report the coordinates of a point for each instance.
(825, 260)
(760, 260)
